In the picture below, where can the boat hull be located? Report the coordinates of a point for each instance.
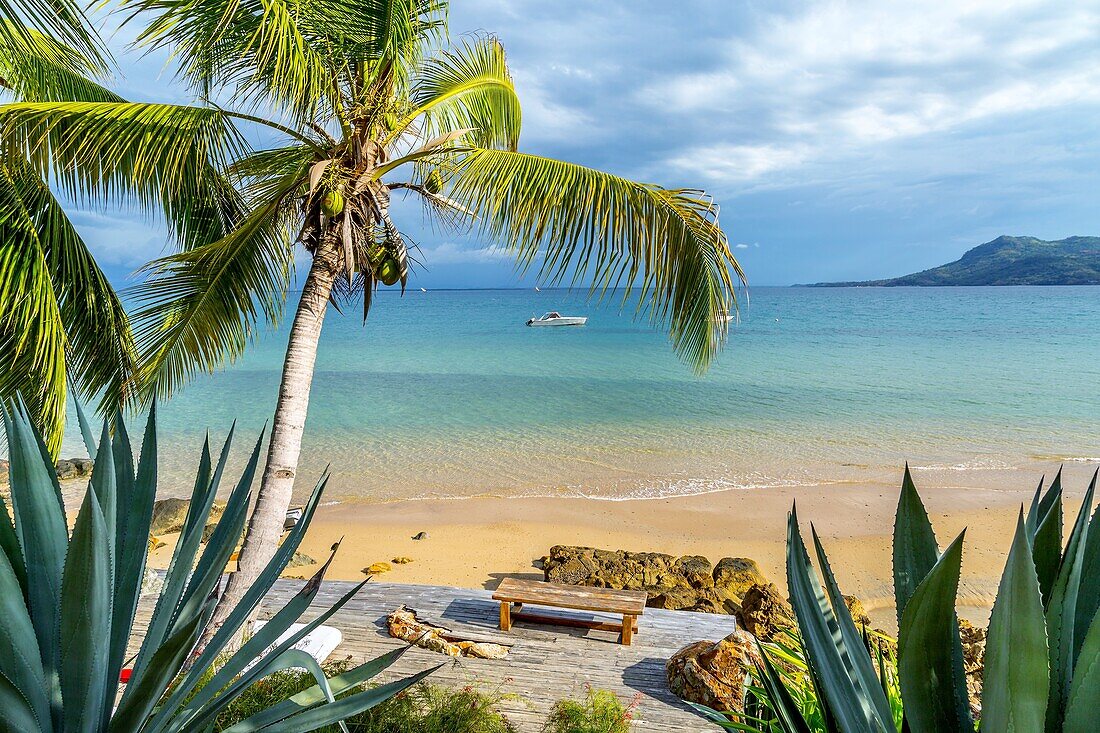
(567, 321)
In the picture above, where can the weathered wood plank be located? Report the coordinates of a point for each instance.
(582, 598)
(545, 663)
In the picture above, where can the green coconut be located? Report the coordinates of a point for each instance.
(333, 203)
(434, 182)
(389, 272)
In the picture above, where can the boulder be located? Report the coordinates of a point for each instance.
(170, 514)
(681, 583)
(713, 673)
(764, 611)
(71, 468)
(298, 559)
(859, 614)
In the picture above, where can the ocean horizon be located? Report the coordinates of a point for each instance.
(447, 394)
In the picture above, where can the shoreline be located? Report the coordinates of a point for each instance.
(477, 541)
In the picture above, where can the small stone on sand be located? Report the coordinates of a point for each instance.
(376, 568)
(420, 536)
(402, 560)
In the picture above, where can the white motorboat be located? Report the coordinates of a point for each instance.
(553, 318)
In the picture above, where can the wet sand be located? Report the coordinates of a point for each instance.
(475, 542)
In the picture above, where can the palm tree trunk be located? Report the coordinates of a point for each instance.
(266, 523)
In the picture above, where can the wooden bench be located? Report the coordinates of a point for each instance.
(629, 603)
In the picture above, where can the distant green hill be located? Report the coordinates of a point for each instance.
(1010, 261)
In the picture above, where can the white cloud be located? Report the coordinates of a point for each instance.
(838, 79)
(451, 253)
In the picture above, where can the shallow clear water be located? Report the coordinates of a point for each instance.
(447, 393)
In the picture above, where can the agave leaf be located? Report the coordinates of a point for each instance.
(1061, 613)
(149, 689)
(179, 567)
(204, 707)
(1047, 544)
(15, 713)
(351, 705)
(131, 548)
(854, 641)
(1084, 692)
(86, 618)
(314, 695)
(710, 714)
(105, 486)
(20, 657)
(1088, 594)
(258, 590)
(86, 433)
(43, 538)
(783, 705)
(227, 532)
(1017, 675)
(915, 548)
(933, 684)
(9, 547)
(841, 687)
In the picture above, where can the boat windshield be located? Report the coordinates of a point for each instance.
(551, 314)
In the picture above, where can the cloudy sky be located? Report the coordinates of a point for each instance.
(844, 140)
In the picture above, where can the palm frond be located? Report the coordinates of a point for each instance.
(62, 19)
(36, 68)
(121, 151)
(664, 244)
(467, 87)
(59, 316)
(263, 174)
(197, 310)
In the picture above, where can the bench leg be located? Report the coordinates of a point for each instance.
(505, 616)
(628, 629)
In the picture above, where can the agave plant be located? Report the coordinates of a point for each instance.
(1042, 658)
(67, 604)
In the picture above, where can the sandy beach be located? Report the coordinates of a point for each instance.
(475, 542)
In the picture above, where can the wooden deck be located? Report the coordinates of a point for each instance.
(545, 664)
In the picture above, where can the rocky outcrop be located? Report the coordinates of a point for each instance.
(70, 468)
(973, 644)
(67, 469)
(170, 514)
(403, 624)
(764, 611)
(713, 673)
(680, 583)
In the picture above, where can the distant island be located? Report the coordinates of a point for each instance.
(1008, 261)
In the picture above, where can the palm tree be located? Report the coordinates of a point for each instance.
(60, 320)
(358, 99)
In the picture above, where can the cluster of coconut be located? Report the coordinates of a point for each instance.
(383, 261)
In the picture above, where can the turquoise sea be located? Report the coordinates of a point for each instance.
(448, 394)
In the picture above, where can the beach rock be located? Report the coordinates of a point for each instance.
(713, 673)
(376, 568)
(403, 624)
(764, 611)
(70, 468)
(859, 614)
(3, 472)
(298, 559)
(680, 583)
(973, 644)
(401, 560)
(420, 536)
(155, 543)
(170, 514)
